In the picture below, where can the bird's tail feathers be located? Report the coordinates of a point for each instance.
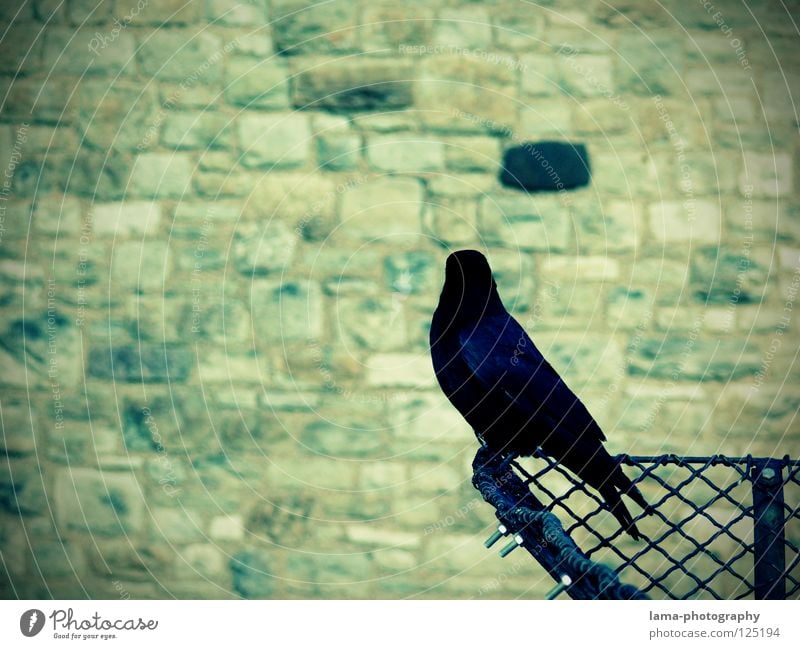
(620, 512)
(627, 487)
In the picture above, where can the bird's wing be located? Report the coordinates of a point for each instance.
(504, 359)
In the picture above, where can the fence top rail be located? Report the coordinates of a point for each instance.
(672, 458)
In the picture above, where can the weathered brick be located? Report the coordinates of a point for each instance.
(781, 89)
(470, 154)
(695, 358)
(630, 308)
(252, 574)
(467, 27)
(327, 570)
(300, 28)
(689, 220)
(120, 114)
(465, 94)
(401, 370)
(386, 207)
(289, 310)
(161, 175)
(274, 141)
(460, 553)
(62, 215)
(140, 265)
(566, 305)
(23, 491)
(125, 219)
(99, 502)
(405, 153)
(552, 119)
(250, 82)
(21, 434)
(608, 226)
(622, 173)
(650, 64)
(586, 75)
(260, 249)
(584, 268)
(539, 76)
(708, 173)
(20, 50)
(227, 528)
(197, 130)
(722, 275)
(461, 185)
(430, 417)
(410, 273)
(144, 363)
(338, 152)
(360, 84)
(382, 475)
(371, 323)
(766, 174)
(200, 560)
(452, 221)
(294, 197)
(76, 53)
(219, 185)
(517, 30)
(527, 222)
(583, 360)
(371, 535)
(186, 56)
(603, 116)
(236, 13)
(722, 79)
(216, 367)
(514, 274)
(347, 439)
(395, 26)
(315, 474)
(175, 525)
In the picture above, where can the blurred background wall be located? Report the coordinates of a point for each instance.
(223, 234)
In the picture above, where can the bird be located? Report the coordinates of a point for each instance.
(494, 375)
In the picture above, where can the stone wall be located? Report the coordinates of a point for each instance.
(223, 232)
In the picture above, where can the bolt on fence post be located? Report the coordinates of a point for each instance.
(560, 587)
(769, 549)
(501, 531)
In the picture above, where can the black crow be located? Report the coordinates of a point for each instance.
(499, 381)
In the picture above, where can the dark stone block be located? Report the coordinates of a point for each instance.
(356, 85)
(545, 166)
(302, 27)
(100, 175)
(252, 574)
(724, 275)
(21, 489)
(146, 363)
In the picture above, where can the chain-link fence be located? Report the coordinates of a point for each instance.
(722, 527)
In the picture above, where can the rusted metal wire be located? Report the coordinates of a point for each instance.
(721, 526)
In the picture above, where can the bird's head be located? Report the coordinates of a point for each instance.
(466, 267)
(468, 281)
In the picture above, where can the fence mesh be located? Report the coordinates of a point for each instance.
(723, 527)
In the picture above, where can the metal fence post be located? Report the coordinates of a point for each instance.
(769, 549)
